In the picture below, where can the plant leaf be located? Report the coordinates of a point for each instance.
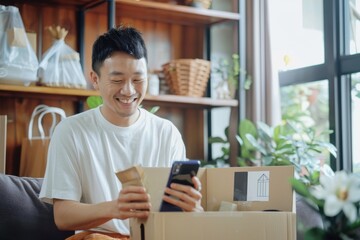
(217, 140)
(265, 132)
(94, 101)
(255, 144)
(330, 147)
(315, 234)
(300, 187)
(154, 109)
(240, 141)
(247, 127)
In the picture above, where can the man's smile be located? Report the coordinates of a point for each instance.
(126, 100)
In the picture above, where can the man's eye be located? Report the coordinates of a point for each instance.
(116, 81)
(138, 80)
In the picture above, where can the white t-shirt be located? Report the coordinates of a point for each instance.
(86, 150)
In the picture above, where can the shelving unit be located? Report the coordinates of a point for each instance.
(81, 94)
(171, 31)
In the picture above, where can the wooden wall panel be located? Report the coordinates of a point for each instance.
(194, 133)
(176, 41)
(166, 41)
(192, 42)
(98, 23)
(30, 15)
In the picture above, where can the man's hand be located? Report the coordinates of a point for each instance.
(185, 197)
(133, 202)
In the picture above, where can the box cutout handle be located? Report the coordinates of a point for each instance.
(142, 231)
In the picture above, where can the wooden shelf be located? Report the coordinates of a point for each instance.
(47, 90)
(172, 13)
(163, 100)
(145, 10)
(192, 102)
(63, 3)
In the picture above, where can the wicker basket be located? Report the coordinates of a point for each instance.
(187, 77)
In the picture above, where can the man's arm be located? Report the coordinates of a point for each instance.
(72, 215)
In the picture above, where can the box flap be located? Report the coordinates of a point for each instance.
(155, 182)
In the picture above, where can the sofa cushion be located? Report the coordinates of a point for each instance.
(22, 214)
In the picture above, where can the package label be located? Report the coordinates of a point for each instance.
(251, 186)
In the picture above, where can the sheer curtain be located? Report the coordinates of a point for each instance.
(263, 98)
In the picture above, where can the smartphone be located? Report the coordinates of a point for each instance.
(181, 172)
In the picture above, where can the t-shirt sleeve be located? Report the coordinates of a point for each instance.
(61, 179)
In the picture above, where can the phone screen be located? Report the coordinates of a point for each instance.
(181, 172)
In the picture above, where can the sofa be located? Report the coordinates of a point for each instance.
(24, 216)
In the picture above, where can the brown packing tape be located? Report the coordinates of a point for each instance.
(16, 37)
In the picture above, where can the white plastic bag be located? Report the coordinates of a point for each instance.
(60, 65)
(18, 61)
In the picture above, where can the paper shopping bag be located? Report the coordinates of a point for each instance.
(34, 149)
(33, 157)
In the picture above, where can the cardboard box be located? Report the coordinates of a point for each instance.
(263, 195)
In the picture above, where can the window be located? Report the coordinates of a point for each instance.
(298, 32)
(326, 45)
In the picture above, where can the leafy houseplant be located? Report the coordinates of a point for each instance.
(285, 144)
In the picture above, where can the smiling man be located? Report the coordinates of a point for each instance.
(88, 148)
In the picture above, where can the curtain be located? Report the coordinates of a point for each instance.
(263, 97)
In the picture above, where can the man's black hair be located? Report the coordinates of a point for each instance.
(121, 39)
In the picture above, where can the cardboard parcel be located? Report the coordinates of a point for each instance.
(255, 202)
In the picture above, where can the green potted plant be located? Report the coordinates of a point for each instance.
(285, 144)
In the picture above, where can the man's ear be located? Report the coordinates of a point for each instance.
(94, 78)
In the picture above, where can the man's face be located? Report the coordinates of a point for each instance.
(122, 84)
